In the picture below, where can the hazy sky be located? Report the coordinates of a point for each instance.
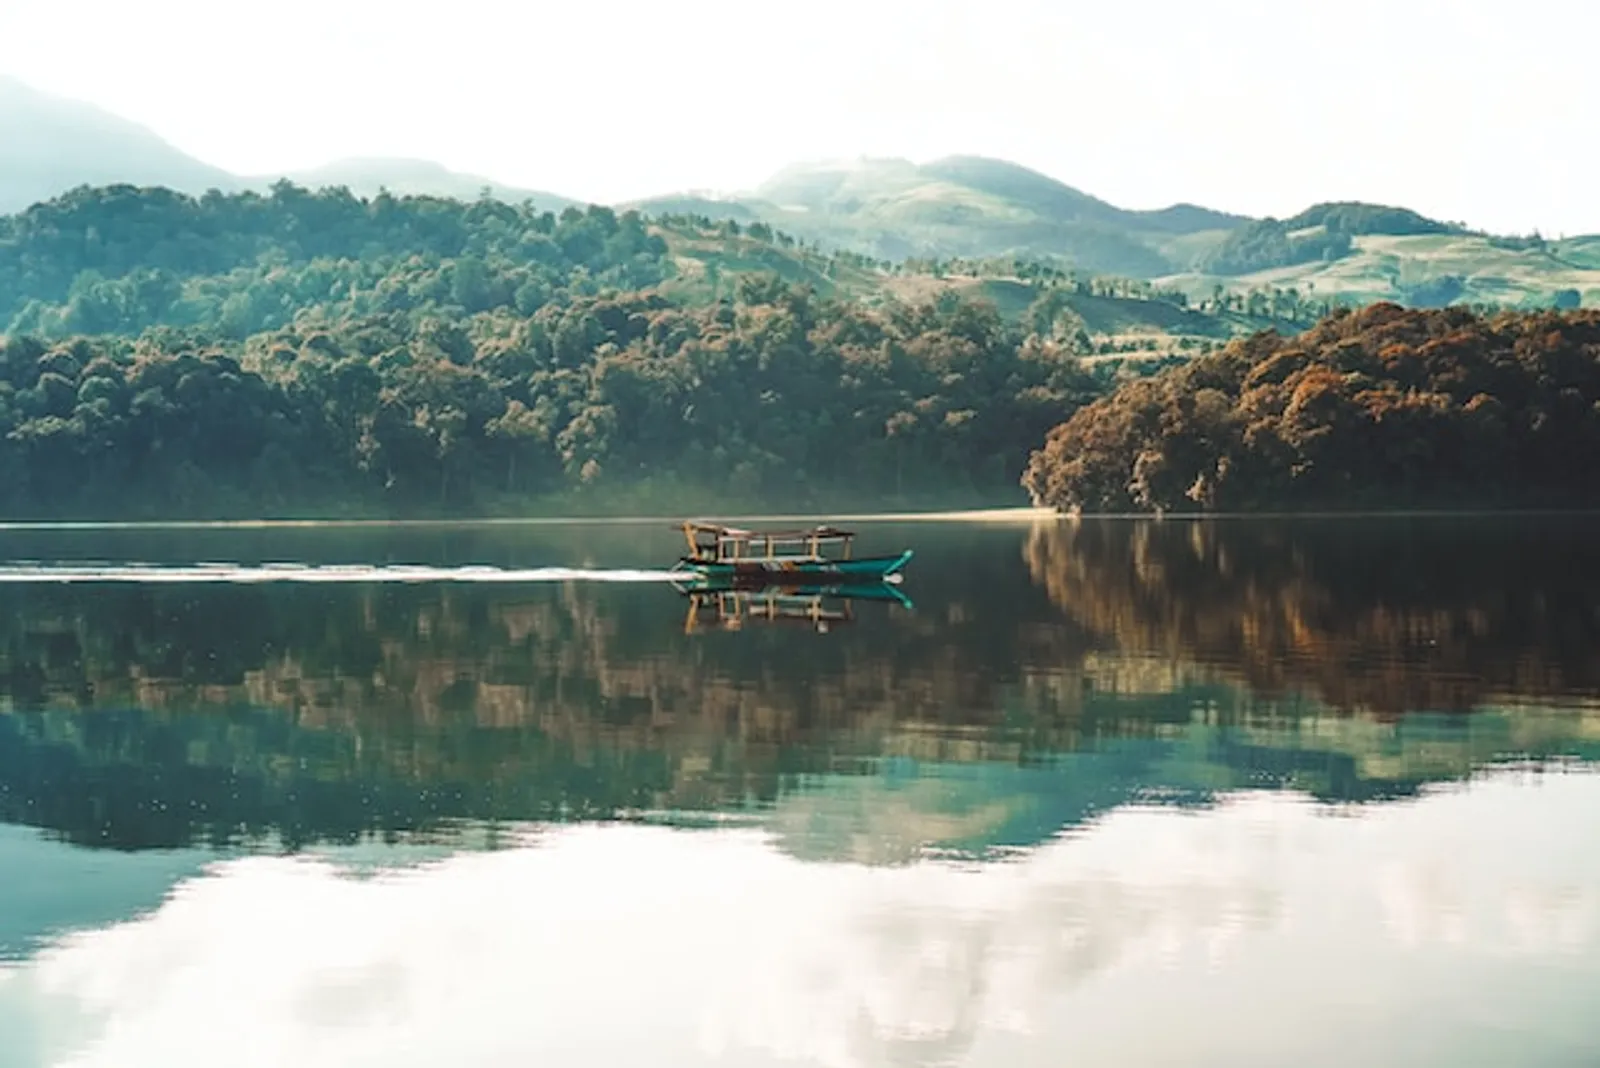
(1484, 112)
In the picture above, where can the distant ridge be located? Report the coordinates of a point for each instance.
(366, 177)
(978, 206)
(698, 204)
(49, 144)
(959, 206)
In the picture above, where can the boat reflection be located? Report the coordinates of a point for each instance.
(730, 607)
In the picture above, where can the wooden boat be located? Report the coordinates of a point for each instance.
(782, 558)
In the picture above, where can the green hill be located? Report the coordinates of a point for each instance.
(305, 352)
(959, 207)
(971, 206)
(1322, 233)
(1121, 318)
(1580, 252)
(1426, 270)
(314, 352)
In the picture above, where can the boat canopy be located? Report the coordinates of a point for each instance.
(714, 541)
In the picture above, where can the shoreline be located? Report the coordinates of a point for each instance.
(980, 515)
(996, 516)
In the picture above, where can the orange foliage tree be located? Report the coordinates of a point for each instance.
(1381, 408)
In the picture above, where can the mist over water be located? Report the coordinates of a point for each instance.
(1310, 792)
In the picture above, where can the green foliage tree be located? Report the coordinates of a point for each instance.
(315, 352)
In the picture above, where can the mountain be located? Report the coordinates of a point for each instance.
(977, 208)
(414, 177)
(1322, 232)
(52, 144)
(706, 204)
(973, 206)
(893, 209)
(1192, 219)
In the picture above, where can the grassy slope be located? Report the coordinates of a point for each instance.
(1581, 252)
(904, 216)
(894, 209)
(710, 264)
(1385, 268)
(707, 266)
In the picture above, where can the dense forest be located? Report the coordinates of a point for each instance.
(1380, 408)
(301, 353)
(118, 260)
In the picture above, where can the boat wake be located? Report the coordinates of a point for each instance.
(33, 572)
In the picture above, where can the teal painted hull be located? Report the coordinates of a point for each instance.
(799, 571)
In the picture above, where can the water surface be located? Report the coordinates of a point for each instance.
(1237, 792)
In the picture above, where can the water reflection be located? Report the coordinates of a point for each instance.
(1391, 616)
(818, 608)
(605, 945)
(1125, 663)
(1302, 793)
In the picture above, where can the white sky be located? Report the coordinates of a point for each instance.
(1458, 108)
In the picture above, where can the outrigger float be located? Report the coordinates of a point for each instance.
(729, 556)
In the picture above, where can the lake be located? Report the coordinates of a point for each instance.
(1101, 793)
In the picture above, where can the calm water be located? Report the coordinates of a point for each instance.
(1237, 793)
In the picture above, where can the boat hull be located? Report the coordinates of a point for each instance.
(793, 572)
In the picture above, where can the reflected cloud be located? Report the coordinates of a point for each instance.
(1564, 917)
(607, 945)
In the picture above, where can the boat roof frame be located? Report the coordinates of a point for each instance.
(822, 533)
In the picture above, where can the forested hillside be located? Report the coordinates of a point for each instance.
(312, 353)
(301, 353)
(118, 260)
(1324, 232)
(1381, 408)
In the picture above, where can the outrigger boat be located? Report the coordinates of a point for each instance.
(746, 557)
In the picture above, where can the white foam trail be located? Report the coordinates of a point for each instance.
(29, 572)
